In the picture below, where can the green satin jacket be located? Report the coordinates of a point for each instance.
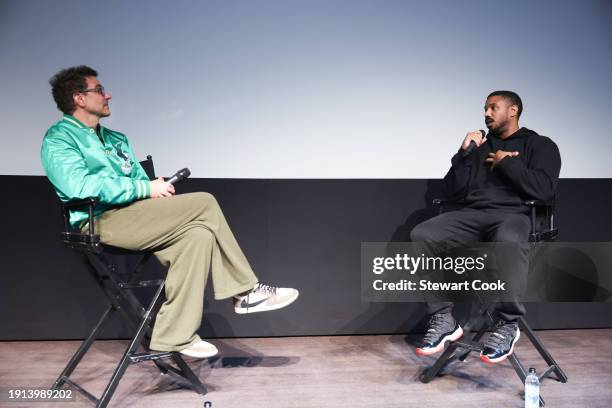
(79, 165)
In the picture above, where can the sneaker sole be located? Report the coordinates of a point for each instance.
(505, 356)
(454, 336)
(199, 355)
(263, 307)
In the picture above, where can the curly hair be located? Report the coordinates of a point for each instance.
(66, 83)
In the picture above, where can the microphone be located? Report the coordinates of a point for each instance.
(472, 146)
(179, 176)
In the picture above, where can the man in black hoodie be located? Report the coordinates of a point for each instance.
(491, 177)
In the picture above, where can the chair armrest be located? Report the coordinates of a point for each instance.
(441, 202)
(530, 203)
(90, 203)
(549, 234)
(80, 203)
(539, 203)
(438, 201)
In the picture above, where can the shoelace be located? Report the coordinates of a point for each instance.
(436, 323)
(501, 333)
(265, 288)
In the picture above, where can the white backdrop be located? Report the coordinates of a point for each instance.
(311, 89)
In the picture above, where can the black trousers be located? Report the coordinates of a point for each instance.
(457, 228)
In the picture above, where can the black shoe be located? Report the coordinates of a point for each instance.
(500, 343)
(442, 328)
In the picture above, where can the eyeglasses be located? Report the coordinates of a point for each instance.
(98, 89)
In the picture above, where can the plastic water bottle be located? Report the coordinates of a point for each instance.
(532, 390)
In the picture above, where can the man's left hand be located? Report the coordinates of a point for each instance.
(495, 158)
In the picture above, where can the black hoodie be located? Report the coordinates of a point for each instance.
(533, 174)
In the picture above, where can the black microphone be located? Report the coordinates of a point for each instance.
(179, 176)
(472, 146)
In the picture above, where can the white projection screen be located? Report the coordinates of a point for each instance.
(312, 89)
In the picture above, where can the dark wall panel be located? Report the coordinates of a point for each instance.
(301, 233)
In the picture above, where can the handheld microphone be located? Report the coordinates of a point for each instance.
(472, 146)
(179, 176)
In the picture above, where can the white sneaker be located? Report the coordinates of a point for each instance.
(263, 298)
(201, 349)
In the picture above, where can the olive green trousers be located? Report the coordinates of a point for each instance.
(188, 234)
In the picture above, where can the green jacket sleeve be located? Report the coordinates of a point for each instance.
(67, 170)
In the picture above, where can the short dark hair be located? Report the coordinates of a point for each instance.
(510, 96)
(66, 83)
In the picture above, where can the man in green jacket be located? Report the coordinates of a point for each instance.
(187, 233)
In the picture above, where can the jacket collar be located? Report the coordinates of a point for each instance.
(74, 121)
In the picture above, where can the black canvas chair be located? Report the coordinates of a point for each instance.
(119, 289)
(482, 321)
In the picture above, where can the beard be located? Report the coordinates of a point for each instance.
(104, 112)
(496, 127)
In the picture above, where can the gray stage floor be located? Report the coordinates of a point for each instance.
(340, 371)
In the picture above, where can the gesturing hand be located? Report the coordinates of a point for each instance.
(160, 188)
(495, 158)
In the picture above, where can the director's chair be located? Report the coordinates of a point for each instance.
(482, 321)
(119, 291)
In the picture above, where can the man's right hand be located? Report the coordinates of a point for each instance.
(475, 136)
(160, 188)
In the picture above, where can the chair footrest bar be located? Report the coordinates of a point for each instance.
(80, 389)
(469, 345)
(137, 358)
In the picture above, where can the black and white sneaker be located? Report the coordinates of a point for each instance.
(263, 298)
(500, 343)
(442, 328)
